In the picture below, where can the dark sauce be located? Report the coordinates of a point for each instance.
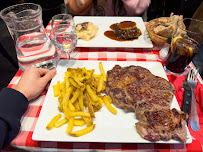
(112, 26)
(110, 34)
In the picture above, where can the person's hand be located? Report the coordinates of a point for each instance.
(34, 81)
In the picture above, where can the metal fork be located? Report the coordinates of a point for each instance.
(192, 81)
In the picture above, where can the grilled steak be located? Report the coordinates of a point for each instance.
(151, 94)
(126, 30)
(136, 88)
(163, 125)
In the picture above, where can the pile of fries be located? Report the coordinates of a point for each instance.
(80, 95)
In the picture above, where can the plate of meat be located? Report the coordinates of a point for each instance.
(128, 32)
(147, 110)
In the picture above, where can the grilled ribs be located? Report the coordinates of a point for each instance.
(163, 125)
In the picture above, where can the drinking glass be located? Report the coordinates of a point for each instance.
(62, 19)
(186, 41)
(64, 38)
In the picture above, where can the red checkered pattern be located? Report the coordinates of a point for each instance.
(29, 120)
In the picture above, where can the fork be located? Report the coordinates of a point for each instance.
(192, 81)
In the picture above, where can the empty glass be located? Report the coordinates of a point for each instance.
(33, 46)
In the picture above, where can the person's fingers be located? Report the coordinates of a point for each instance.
(49, 75)
(42, 72)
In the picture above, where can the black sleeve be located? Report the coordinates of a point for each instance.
(13, 105)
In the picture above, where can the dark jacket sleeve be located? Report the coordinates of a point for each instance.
(13, 105)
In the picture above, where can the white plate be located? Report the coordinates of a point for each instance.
(118, 128)
(104, 23)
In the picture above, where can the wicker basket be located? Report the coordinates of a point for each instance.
(156, 39)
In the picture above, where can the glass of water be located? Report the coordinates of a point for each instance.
(64, 38)
(62, 19)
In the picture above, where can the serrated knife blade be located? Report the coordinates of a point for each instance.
(186, 98)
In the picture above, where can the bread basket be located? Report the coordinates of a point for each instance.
(156, 39)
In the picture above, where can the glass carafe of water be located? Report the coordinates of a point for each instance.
(33, 46)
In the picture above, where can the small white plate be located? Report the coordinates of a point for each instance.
(112, 128)
(104, 24)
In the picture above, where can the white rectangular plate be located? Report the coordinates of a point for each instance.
(104, 24)
(118, 128)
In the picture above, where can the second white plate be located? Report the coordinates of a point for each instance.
(104, 24)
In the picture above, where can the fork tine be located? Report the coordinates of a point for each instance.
(196, 73)
(189, 74)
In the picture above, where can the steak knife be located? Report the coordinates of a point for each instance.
(186, 98)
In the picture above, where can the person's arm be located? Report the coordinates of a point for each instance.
(78, 7)
(14, 102)
(136, 7)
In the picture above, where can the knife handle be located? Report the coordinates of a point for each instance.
(186, 101)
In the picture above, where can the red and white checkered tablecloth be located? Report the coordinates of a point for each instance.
(29, 119)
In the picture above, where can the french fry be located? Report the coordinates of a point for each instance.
(60, 107)
(100, 100)
(97, 107)
(53, 121)
(67, 82)
(108, 105)
(56, 89)
(76, 105)
(84, 70)
(102, 71)
(77, 80)
(67, 112)
(75, 96)
(109, 99)
(79, 122)
(97, 75)
(100, 85)
(89, 105)
(73, 83)
(83, 131)
(81, 78)
(103, 86)
(60, 97)
(63, 87)
(88, 121)
(91, 93)
(71, 107)
(67, 74)
(81, 100)
(66, 101)
(70, 125)
(61, 122)
(82, 114)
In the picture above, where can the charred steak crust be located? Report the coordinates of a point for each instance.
(163, 125)
(136, 88)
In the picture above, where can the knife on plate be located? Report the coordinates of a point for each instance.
(186, 98)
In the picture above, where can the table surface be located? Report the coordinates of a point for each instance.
(29, 119)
